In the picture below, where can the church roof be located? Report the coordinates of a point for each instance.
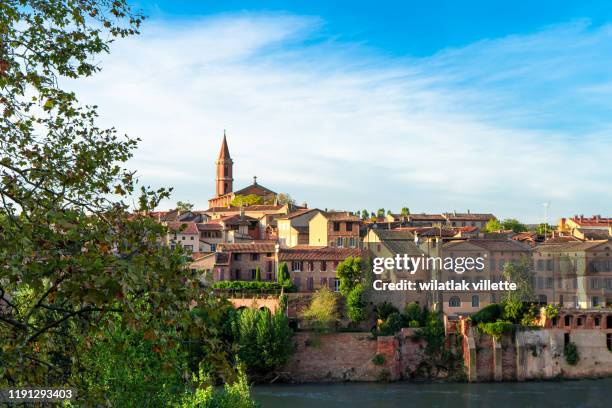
(254, 188)
(224, 153)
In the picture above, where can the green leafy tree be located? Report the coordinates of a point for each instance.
(380, 213)
(184, 206)
(285, 198)
(356, 303)
(365, 214)
(521, 273)
(258, 274)
(263, 340)
(405, 211)
(283, 274)
(514, 225)
(543, 228)
(391, 325)
(493, 225)
(72, 248)
(414, 313)
(246, 200)
(322, 313)
(349, 273)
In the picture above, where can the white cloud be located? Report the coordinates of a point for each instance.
(339, 127)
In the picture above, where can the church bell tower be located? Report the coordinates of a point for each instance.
(225, 165)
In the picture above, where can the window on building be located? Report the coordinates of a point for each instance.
(310, 266)
(188, 247)
(352, 242)
(183, 237)
(310, 284)
(323, 266)
(549, 283)
(297, 282)
(542, 299)
(191, 237)
(576, 303)
(236, 257)
(253, 274)
(561, 300)
(339, 242)
(454, 302)
(595, 301)
(296, 266)
(255, 257)
(336, 226)
(269, 266)
(336, 285)
(540, 265)
(213, 247)
(568, 320)
(349, 226)
(323, 282)
(609, 341)
(475, 301)
(549, 264)
(597, 321)
(501, 264)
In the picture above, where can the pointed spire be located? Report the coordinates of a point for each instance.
(224, 153)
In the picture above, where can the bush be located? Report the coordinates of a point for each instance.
(384, 309)
(571, 353)
(413, 312)
(496, 329)
(349, 274)
(392, 325)
(414, 324)
(251, 285)
(323, 310)
(263, 340)
(487, 314)
(356, 303)
(378, 360)
(552, 311)
(234, 395)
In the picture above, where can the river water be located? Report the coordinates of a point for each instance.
(583, 393)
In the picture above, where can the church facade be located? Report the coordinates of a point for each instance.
(224, 182)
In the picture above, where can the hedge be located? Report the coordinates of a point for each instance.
(250, 285)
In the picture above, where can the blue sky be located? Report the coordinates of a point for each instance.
(436, 105)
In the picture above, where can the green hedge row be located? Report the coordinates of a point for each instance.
(248, 285)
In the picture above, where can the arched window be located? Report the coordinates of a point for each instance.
(475, 301)
(454, 302)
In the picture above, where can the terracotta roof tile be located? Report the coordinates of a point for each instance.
(304, 253)
(182, 227)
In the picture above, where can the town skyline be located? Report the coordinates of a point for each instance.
(480, 124)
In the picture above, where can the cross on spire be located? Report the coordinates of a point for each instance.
(254, 179)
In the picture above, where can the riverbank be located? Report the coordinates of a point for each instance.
(563, 393)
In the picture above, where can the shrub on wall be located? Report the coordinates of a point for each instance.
(251, 285)
(496, 329)
(487, 314)
(378, 359)
(356, 304)
(384, 309)
(571, 353)
(391, 325)
(322, 312)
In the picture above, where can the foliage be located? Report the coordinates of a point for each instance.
(356, 304)
(552, 311)
(283, 274)
(125, 368)
(405, 211)
(349, 273)
(378, 360)
(249, 285)
(246, 200)
(487, 314)
(72, 247)
(514, 225)
(365, 214)
(323, 310)
(570, 352)
(285, 198)
(521, 273)
(258, 274)
(414, 313)
(512, 310)
(413, 324)
(184, 206)
(384, 376)
(384, 309)
(380, 212)
(391, 325)
(493, 225)
(232, 395)
(263, 339)
(542, 229)
(529, 316)
(496, 329)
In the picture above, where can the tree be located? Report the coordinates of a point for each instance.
(356, 303)
(263, 340)
(543, 228)
(405, 211)
(514, 225)
(520, 273)
(493, 225)
(364, 214)
(285, 198)
(349, 274)
(283, 275)
(72, 249)
(380, 213)
(258, 274)
(184, 206)
(323, 310)
(246, 200)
